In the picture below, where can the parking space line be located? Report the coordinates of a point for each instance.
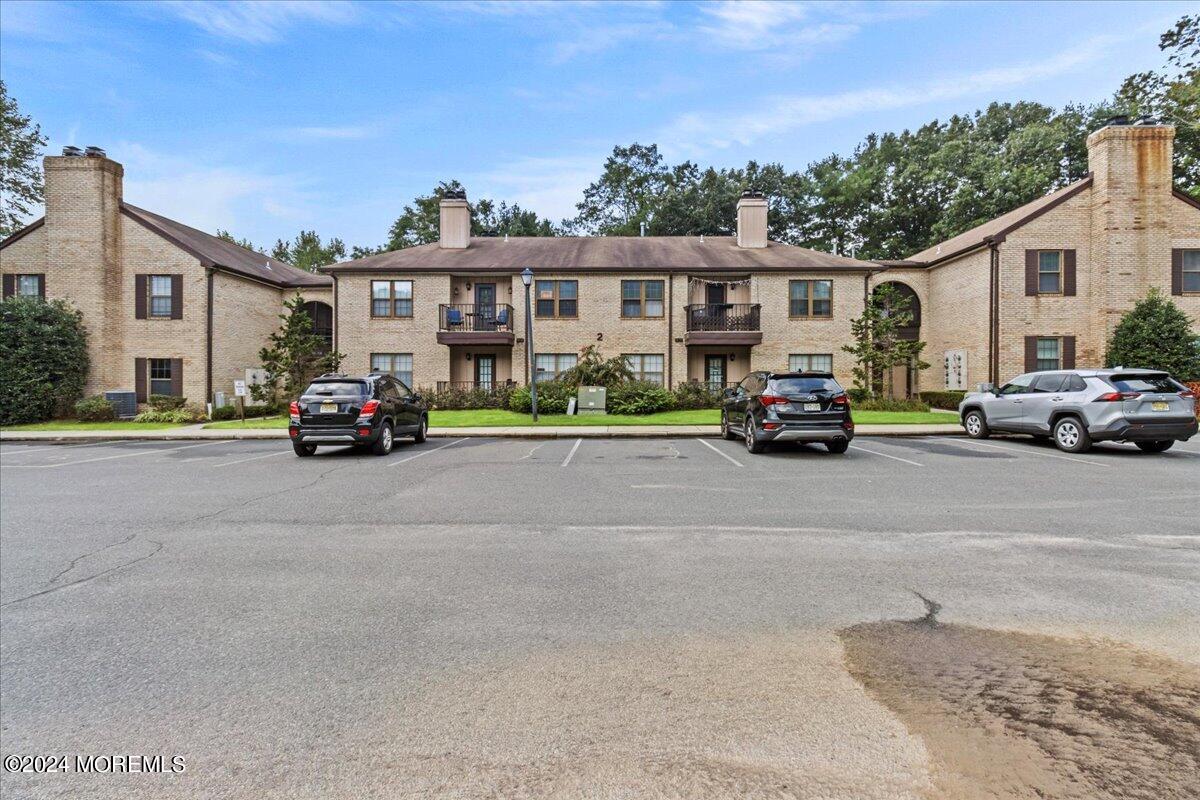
(571, 454)
(251, 458)
(885, 455)
(721, 453)
(1032, 452)
(109, 458)
(424, 452)
(21, 450)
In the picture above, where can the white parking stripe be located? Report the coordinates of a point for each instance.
(1031, 452)
(722, 454)
(109, 458)
(424, 452)
(571, 454)
(885, 455)
(21, 450)
(251, 458)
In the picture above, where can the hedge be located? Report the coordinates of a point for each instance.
(43, 359)
(947, 399)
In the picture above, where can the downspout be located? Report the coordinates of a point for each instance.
(335, 312)
(208, 365)
(994, 313)
(670, 327)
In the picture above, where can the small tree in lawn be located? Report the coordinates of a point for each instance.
(295, 356)
(593, 369)
(877, 344)
(1156, 334)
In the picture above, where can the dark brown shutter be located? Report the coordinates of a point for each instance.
(139, 296)
(176, 297)
(1031, 272)
(1069, 273)
(177, 377)
(1068, 352)
(9, 281)
(1176, 273)
(139, 379)
(42, 285)
(1030, 353)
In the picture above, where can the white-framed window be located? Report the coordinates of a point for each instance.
(810, 362)
(160, 296)
(160, 375)
(1049, 354)
(1191, 271)
(391, 298)
(1050, 265)
(398, 365)
(28, 285)
(646, 366)
(549, 365)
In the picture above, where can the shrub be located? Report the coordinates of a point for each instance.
(95, 409)
(639, 397)
(43, 359)
(453, 399)
(881, 404)
(593, 369)
(166, 402)
(858, 394)
(694, 395)
(231, 411)
(1156, 334)
(177, 416)
(552, 398)
(947, 399)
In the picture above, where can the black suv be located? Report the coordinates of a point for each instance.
(787, 407)
(372, 410)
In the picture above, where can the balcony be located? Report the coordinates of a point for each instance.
(722, 323)
(473, 324)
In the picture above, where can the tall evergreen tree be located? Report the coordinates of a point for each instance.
(21, 187)
(1156, 334)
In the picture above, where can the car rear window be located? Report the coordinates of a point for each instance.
(338, 388)
(1144, 383)
(803, 385)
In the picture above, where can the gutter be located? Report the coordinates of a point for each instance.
(670, 328)
(994, 311)
(208, 324)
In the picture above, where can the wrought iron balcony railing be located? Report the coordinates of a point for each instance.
(723, 317)
(475, 318)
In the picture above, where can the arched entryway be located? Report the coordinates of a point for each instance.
(321, 315)
(901, 381)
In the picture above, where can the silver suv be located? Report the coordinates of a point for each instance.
(1078, 407)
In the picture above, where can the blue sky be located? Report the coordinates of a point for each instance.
(265, 118)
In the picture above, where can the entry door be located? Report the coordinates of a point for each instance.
(714, 371)
(485, 371)
(485, 306)
(714, 298)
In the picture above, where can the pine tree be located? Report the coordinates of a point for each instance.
(877, 344)
(294, 357)
(1156, 334)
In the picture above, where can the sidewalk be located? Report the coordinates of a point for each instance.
(560, 432)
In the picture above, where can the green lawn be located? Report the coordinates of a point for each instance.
(498, 418)
(76, 425)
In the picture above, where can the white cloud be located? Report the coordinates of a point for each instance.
(549, 185)
(258, 22)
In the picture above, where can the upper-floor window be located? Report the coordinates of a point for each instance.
(398, 365)
(1191, 271)
(25, 285)
(810, 298)
(549, 365)
(160, 296)
(557, 298)
(646, 366)
(1050, 272)
(1049, 354)
(810, 362)
(391, 298)
(641, 299)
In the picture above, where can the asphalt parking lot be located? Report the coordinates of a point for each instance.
(605, 618)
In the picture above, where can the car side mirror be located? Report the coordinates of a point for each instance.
(416, 398)
(987, 388)
(729, 393)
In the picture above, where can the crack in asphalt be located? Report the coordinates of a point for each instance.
(158, 546)
(75, 561)
(255, 499)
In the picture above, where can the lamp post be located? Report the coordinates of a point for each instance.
(527, 279)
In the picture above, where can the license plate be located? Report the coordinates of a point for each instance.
(328, 408)
(1160, 406)
(812, 406)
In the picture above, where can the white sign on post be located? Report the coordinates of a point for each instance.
(239, 388)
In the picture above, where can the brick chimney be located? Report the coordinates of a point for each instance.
(752, 220)
(1131, 210)
(83, 246)
(454, 221)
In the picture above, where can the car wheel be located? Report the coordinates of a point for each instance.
(840, 446)
(1155, 447)
(726, 432)
(752, 442)
(383, 445)
(303, 450)
(976, 425)
(422, 430)
(1070, 436)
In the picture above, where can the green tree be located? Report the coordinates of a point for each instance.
(625, 195)
(43, 359)
(419, 222)
(307, 251)
(294, 356)
(21, 187)
(877, 344)
(1156, 334)
(593, 369)
(246, 243)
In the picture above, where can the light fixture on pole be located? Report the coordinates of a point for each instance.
(527, 279)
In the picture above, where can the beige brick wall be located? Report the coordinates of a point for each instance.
(1185, 234)
(783, 336)
(28, 255)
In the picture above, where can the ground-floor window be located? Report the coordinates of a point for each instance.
(646, 366)
(398, 365)
(547, 366)
(160, 375)
(814, 362)
(1049, 354)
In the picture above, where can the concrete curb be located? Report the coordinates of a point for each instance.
(192, 433)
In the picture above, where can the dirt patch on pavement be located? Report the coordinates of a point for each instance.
(1015, 715)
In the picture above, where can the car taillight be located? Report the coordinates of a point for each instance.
(772, 400)
(1188, 394)
(840, 400)
(294, 413)
(369, 408)
(1116, 397)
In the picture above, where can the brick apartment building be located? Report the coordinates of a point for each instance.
(1039, 287)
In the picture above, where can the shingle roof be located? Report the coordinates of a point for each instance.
(213, 251)
(996, 229)
(716, 254)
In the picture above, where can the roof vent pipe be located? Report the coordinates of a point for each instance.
(71, 151)
(641, 228)
(95, 152)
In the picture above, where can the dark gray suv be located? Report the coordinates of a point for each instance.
(1078, 407)
(787, 407)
